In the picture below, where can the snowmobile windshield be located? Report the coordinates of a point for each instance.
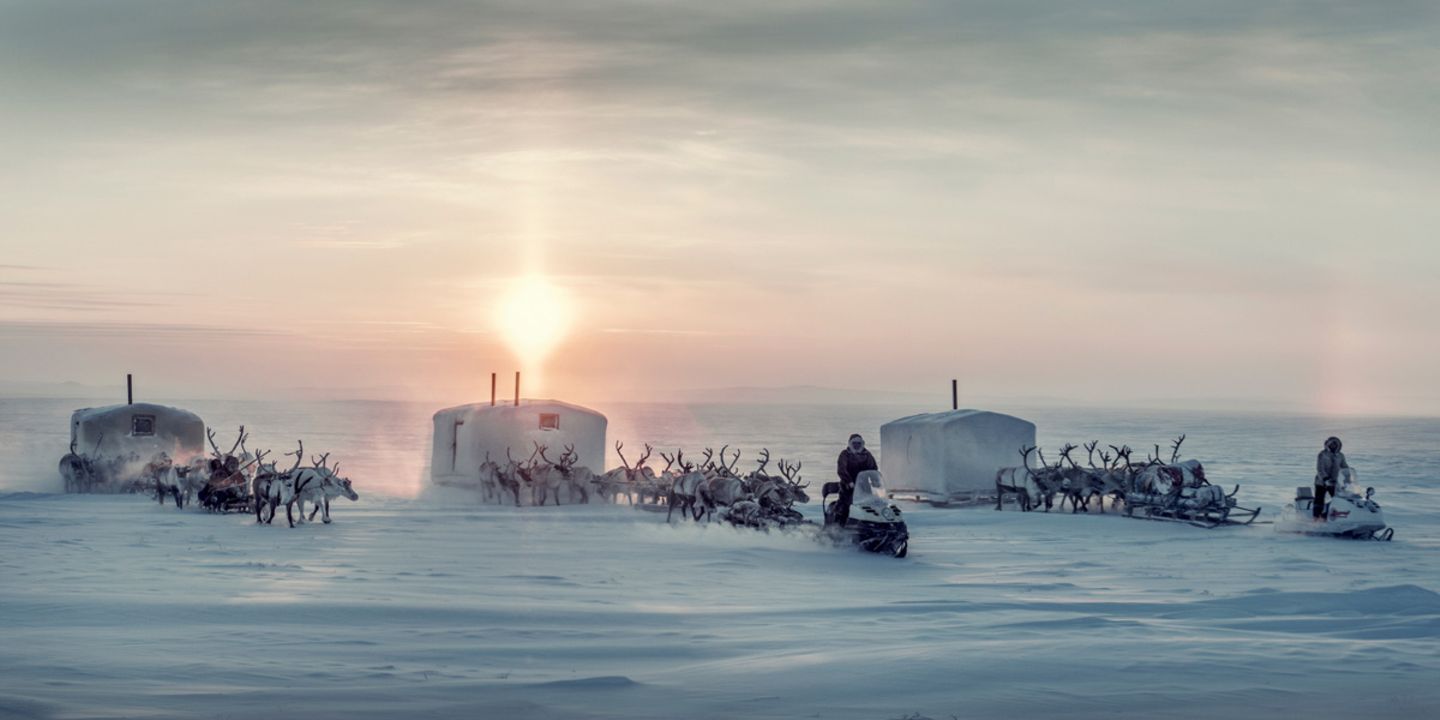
(868, 485)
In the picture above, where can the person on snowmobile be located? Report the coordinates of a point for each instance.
(1328, 465)
(854, 459)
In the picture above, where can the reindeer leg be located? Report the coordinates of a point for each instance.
(313, 512)
(327, 511)
(288, 516)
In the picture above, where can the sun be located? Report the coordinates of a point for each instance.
(533, 317)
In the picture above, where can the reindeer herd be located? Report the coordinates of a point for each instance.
(711, 488)
(234, 480)
(1156, 489)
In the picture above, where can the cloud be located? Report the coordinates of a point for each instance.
(370, 173)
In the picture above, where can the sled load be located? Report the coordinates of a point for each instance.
(1175, 491)
(1348, 514)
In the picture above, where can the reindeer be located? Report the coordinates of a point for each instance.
(1109, 479)
(1086, 483)
(723, 489)
(665, 481)
(791, 473)
(644, 479)
(332, 485)
(576, 478)
(544, 482)
(781, 505)
(266, 489)
(508, 477)
(159, 474)
(1048, 480)
(684, 492)
(1010, 481)
(758, 475)
(621, 479)
(316, 485)
(489, 479)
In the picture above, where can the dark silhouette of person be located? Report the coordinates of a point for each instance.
(854, 459)
(1328, 465)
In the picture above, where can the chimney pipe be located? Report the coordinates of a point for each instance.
(517, 388)
(492, 389)
(129, 389)
(954, 394)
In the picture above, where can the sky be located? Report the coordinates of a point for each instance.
(1123, 203)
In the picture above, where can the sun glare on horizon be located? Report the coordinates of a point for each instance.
(533, 317)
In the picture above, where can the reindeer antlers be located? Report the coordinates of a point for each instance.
(238, 441)
(1174, 449)
(299, 455)
(320, 463)
(210, 435)
(765, 460)
(791, 472)
(641, 462)
(1065, 451)
(618, 446)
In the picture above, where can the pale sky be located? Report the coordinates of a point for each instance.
(1123, 202)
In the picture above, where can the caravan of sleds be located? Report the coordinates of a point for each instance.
(712, 490)
(1175, 490)
(237, 480)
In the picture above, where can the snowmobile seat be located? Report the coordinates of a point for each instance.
(1304, 492)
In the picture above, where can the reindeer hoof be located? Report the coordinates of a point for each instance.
(326, 521)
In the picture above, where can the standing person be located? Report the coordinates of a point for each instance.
(854, 459)
(1327, 474)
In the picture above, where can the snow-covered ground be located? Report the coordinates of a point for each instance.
(115, 607)
(435, 606)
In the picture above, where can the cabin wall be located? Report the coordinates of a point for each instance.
(463, 436)
(518, 429)
(109, 432)
(951, 455)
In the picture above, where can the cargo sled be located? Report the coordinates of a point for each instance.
(1180, 493)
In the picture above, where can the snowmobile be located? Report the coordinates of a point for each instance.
(874, 525)
(1349, 515)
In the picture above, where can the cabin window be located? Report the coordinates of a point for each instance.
(549, 421)
(142, 424)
